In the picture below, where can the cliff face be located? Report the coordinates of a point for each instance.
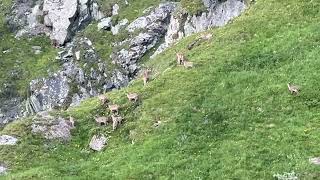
(83, 73)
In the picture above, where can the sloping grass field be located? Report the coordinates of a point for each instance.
(229, 117)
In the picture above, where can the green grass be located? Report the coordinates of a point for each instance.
(20, 65)
(230, 117)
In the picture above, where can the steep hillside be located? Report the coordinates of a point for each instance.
(229, 117)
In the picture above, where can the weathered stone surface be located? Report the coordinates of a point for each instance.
(8, 140)
(105, 23)
(98, 142)
(52, 127)
(3, 169)
(153, 27)
(59, 19)
(218, 14)
(115, 9)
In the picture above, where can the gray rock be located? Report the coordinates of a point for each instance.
(115, 29)
(115, 9)
(218, 14)
(59, 19)
(8, 140)
(105, 23)
(52, 127)
(3, 169)
(59, 16)
(77, 55)
(154, 26)
(161, 13)
(98, 142)
(96, 13)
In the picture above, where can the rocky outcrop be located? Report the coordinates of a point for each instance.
(83, 75)
(8, 140)
(59, 19)
(51, 127)
(152, 28)
(98, 142)
(218, 14)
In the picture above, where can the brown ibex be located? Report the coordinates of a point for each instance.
(133, 97)
(180, 58)
(114, 108)
(146, 76)
(103, 99)
(116, 120)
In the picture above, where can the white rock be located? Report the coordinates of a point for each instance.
(59, 13)
(3, 170)
(315, 161)
(97, 143)
(96, 13)
(8, 140)
(115, 9)
(105, 23)
(78, 55)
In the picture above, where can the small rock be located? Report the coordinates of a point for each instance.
(98, 142)
(8, 140)
(315, 160)
(115, 9)
(3, 169)
(78, 55)
(105, 23)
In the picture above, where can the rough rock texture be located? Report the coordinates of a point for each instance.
(98, 142)
(8, 140)
(59, 19)
(3, 169)
(152, 28)
(83, 75)
(218, 14)
(52, 127)
(105, 23)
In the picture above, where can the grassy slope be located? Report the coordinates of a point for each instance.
(21, 58)
(217, 117)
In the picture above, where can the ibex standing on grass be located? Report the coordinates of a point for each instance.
(146, 76)
(180, 58)
(294, 90)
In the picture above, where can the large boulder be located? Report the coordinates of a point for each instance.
(51, 127)
(98, 142)
(59, 19)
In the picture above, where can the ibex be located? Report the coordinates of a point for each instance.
(146, 76)
(114, 108)
(101, 120)
(180, 58)
(133, 97)
(103, 99)
(71, 122)
(116, 120)
(293, 89)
